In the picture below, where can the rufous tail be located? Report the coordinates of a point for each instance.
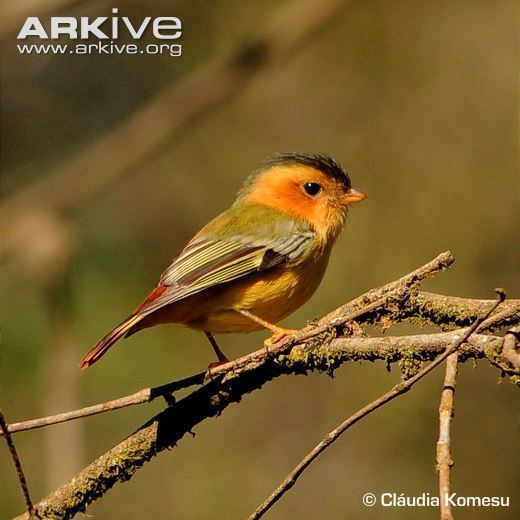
(119, 332)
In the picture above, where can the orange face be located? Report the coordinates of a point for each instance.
(306, 193)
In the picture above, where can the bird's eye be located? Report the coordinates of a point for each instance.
(312, 188)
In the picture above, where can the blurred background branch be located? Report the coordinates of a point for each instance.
(13, 14)
(130, 144)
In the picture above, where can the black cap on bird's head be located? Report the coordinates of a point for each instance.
(283, 163)
(320, 162)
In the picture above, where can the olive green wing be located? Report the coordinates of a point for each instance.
(241, 241)
(210, 261)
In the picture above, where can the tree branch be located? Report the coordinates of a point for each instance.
(323, 346)
(368, 302)
(510, 352)
(335, 434)
(446, 412)
(390, 349)
(447, 312)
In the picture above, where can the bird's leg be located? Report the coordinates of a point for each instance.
(278, 332)
(220, 355)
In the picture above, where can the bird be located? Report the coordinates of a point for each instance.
(255, 263)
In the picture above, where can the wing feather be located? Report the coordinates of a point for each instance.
(205, 263)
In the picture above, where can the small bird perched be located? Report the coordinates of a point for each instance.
(257, 262)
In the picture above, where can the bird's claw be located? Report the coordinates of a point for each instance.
(213, 365)
(277, 336)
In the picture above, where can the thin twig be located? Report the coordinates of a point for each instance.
(18, 465)
(146, 395)
(396, 391)
(405, 283)
(446, 412)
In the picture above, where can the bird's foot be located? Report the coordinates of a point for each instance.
(278, 334)
(214, 365)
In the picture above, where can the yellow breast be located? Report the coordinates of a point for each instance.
(271, 295)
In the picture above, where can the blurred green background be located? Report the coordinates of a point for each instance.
(419, 101)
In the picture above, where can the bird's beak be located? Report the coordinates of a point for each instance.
(354, 195)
